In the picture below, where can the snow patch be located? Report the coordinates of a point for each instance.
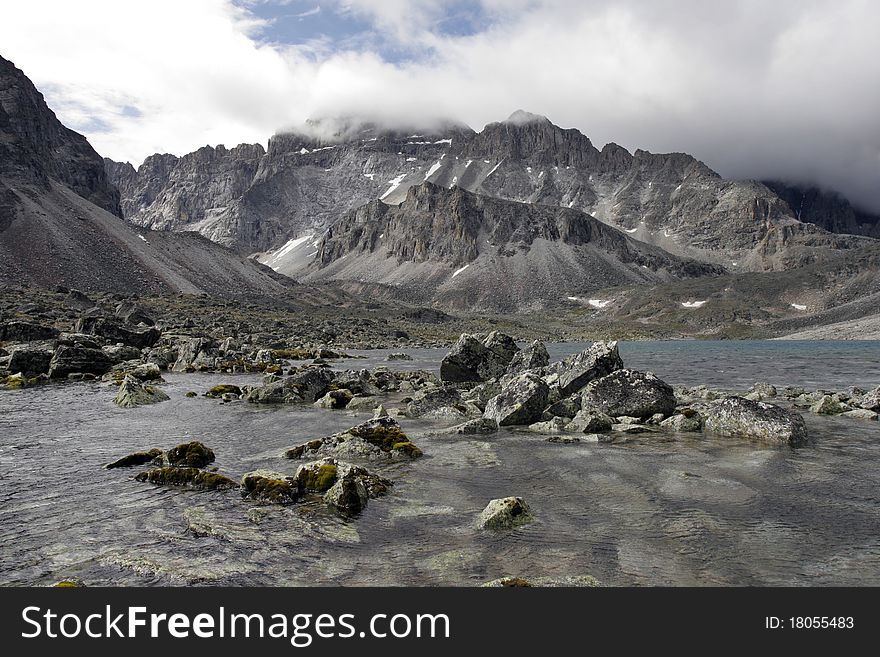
(434, 168)
(371, 176)
(798, 306)
(599, 303)
(411, 159)
(394, 185)
(467, 164)
(143, 238)
(630, 230)
(287, 248)
(494, 169)
(692, 304)
(304, 151)
(458, 271)
(444, 141)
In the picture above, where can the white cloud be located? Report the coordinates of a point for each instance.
(753, 88)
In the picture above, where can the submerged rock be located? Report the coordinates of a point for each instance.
(521, 402)
(134, 393)
(192, 454)
(504, 513)
(575, 372)
(471, 360)
(378, 438)
(736, 416)
(628, 392)
(188, 477)
(397, 355)
(137, 458)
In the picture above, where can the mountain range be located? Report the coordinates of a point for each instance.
(521, 216)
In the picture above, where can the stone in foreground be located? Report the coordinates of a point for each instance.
(736, 416)
(522, 402)
(505, 513)
(631, 393)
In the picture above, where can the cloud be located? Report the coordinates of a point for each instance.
(755, 89)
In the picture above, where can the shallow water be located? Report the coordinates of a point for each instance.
(688, 510)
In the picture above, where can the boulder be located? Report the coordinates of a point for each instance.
(134, 393)
(575, 372)
(569, 581)
(762, 390)
(114, 331)
(30, 362)
(553, 425)
(504, 513)
(187, 477)
(432, 401)
(521, 402)
(397, 355)
(380, 438)
(196, 354)
(589, 422)
(628, 392)
(684, 422)
(566, 407)
(478, 426)
(861, 414)
(277, 392)
(21, 331)
(481, 394)
(348, 496)
(133, 314)
(71, 359)
(137, 458)
(736, 416)
(335, 399)
(827, 405)
(312, 383)
(471, 359)
(121, 353)
(192, 454)
(870, 400)
(269, 486)
(533, 357)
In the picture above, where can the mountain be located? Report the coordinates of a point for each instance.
(60, 217)
(307, 179)
(827, 210)
(468, 251)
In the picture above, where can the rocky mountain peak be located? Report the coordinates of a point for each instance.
(36, 147)
(522, 117)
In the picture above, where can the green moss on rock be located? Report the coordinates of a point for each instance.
(137, 458)
(193, 454)
(188, 477)
(223, 389)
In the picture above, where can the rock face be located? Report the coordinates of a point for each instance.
(629, 393)
(473, 359)
(736, 416)
(504, 513)
(826, 209)
(133, 393)
(575, 372)
(60, 217)
(521, 402)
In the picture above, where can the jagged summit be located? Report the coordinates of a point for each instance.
(521, 117)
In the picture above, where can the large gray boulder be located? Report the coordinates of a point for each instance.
(736, 416)
(575, 372)
(436, 400)
(522, 402)
(134, 393)
(504, 513)
(76, 359)
(630, 393)
(472, 359)
(533, 357)
(870, 400)
(30, 362)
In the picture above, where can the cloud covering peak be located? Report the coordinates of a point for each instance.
(781, 90)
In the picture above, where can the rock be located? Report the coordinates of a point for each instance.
(362, 403)
(192, 454)
(735, 416)
(575, 372)
(861, 414)
(567, 407)
(77, 299)
(268, 486)
(827, 405)
(589, 422)
(189, 477)
(196, 354)
(134, 393)
(522, 402)
(77, 359)
(133, 314)
(504, 513)
(379, 438)
(30, 362)
(278, 392)
(572, 581)
(397, 355)
(21, 331)
(471, 359)
(147, 372)
(121, 353)
(335, 399)
(627, 392)
(481, 394)
(533, 357)
(223, 389)
(632, 429)
(317, 476)
(348, 496)
(429, 403)
(565, 440)
(763, 390)
(311, 382)
(137, 458)
(115, 331)
(870, 400)
(683, 423)
(554, 425)
(478, 426)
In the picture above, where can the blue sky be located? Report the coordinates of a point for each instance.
(755, 89)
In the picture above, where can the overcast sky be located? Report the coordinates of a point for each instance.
(789, 88)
